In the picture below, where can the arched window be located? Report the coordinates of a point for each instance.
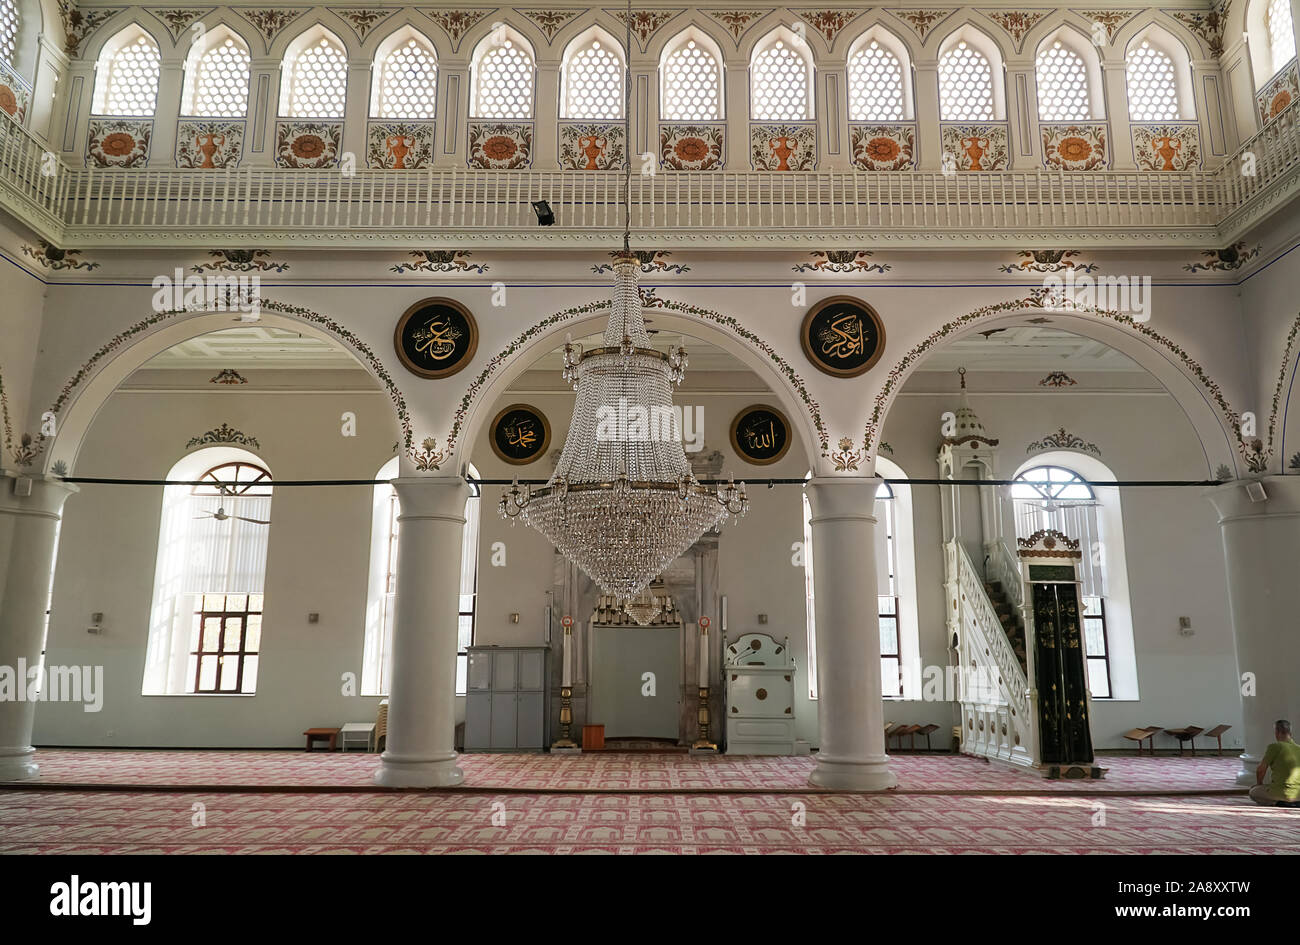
(206, 627)
(690, 79)
(502, 76)
(405, 81)
(1281, 33)
(1067, 88)
(780, 79)
(314, 76)
(8, 30)
(900, 666)
(216, 76)
(377, 657)
(592, 78)
(966, 89)
(126, 75)
(880, 79)
(1051, 495)
(1153, 93)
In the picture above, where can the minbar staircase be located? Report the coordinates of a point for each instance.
(1013, 625)
(997, 712)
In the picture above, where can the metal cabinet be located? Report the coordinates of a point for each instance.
(505, 705)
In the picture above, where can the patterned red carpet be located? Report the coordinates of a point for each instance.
(607, 772)
(293, 802)
(96, 823)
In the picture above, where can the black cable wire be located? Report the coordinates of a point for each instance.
(291, 483)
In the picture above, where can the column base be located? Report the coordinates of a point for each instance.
(419, 772)
(18, 764)
(1246, 776)
(845, 775)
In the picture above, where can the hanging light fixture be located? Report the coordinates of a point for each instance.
(623, 503)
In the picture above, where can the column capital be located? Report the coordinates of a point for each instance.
(1233, 500)
(433, 497)
(46, 498)
(843, 497)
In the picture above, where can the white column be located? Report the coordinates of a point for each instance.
(1261, 546)
(849, 707)
(422, 698)
(28, 525)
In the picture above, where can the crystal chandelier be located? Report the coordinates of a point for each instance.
(623, 503)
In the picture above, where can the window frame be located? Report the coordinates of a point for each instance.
(578, 46)
(898, 49)
(193, 61)
(481, 51)
(225, 615)
(289, 83)
(105, 72)
(709, 45)
(781, 34)
(379, 69)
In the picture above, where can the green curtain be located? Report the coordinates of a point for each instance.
(1062, 685)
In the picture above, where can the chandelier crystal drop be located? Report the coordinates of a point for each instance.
(623, 503)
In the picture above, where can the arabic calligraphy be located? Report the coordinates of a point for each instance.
(760, 436)
(844, 337)
(437, 339)
(521, 436)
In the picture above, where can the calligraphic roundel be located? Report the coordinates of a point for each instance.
(760, 434)
(520, 434)
(436, 337)
(843, 336)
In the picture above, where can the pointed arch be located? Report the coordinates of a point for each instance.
(404, 76)
(1068, 79)
(314, 75)
(217, 74)
(502, 75)
(126, 74)
(1158, 74)
(692, 78)
(972, 76)
(880, 83)
(781, 71)
(592, 77)
(1271, 38)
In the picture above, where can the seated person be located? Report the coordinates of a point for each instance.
(1283, 758)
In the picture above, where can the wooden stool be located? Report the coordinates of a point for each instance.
(321, 734)
(1186, 734)
(1217, 734)
(593, 737)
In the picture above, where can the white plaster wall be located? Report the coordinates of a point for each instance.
(318, 558)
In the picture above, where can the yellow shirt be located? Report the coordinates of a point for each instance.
(1283, 758)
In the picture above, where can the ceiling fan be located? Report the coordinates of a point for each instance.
(221, 515)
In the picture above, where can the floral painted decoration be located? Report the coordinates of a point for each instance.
(842, 260)
(1049, 260)
(651, 261)
(224, 434)
(846, 458)
(1058, 379)
(440, 260)
(1062, 440)
(428, 457)
(51, 257)
(241, 260)
(1226, 259)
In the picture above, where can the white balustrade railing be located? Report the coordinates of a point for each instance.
(998, 711)
(454, 207)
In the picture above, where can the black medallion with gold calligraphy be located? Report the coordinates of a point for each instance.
(436, 337)
(520, 434)
(843, 336)
(760, 434)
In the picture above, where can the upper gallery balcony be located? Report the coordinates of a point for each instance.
(455, 208)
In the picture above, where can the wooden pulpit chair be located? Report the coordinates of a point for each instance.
(1186, 734)
(1217, 734)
